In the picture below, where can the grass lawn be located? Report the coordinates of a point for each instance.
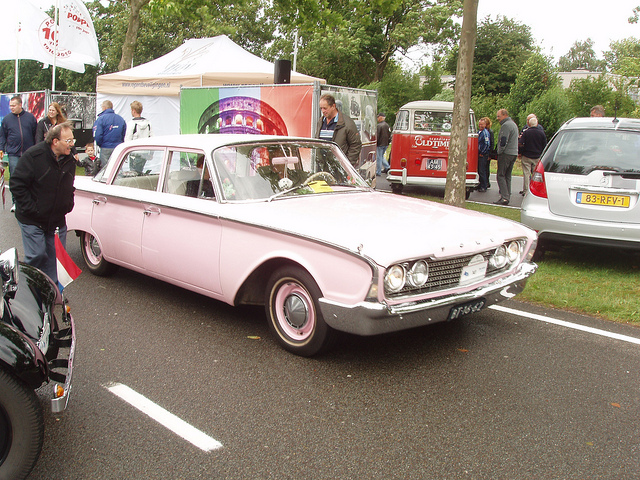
(594, 281)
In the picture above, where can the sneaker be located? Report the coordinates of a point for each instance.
(502, 201)
(13, 207)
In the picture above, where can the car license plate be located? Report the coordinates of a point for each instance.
(433, 164)
(621, 201)
(466, 308)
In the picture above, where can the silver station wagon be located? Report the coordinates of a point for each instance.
(585, 189)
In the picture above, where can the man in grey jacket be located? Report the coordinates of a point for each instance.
(336, 126)
(507, 154)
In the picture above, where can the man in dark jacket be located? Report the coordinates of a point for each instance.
(17, 134)
(42, 184)
(109, 130)
(336, 126)
(383, 138)
(531, 144)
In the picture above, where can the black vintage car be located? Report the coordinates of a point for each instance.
(37, 344)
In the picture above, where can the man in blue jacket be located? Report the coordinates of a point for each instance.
(108, 131)
(17, 135)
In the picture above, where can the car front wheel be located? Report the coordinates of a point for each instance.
(293, 312)
(21, 428)
(92, 255)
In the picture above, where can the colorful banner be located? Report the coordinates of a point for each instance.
(266, 110)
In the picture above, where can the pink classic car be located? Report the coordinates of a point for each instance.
(290, 225)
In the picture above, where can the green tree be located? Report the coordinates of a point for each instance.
(394, 90)
(536, 76)
(502, 47)
(165, 24)
(351, 42)
(621, 50)
(552, 109)
(488, 106)
(585, 93)
(433, 80)
(581, 55)
(454, 193)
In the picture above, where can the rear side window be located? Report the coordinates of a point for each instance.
(582, 151)
(402, 120)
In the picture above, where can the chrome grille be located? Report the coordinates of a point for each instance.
(444, 274)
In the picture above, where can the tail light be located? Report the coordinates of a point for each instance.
(403, 163)
(537, 185)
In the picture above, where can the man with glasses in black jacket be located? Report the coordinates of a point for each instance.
(42, 184)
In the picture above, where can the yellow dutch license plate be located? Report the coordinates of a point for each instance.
(603, 199)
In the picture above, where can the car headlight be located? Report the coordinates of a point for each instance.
(514, 250)
(395, 279)
(499, 257)
(418, 274)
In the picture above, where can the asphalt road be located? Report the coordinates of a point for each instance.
(496, 395)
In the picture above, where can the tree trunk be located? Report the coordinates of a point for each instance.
(454, 193)
(131, 38)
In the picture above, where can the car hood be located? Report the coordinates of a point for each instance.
(381, 225)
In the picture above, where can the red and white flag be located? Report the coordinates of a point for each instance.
(68, 271)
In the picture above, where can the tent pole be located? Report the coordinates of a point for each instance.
(55, 48)
(15, 81)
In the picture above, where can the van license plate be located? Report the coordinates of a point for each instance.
(603, 199)
(466, 308)
(433, 164)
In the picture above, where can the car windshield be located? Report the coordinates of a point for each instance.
(266, 170)
(582, 151)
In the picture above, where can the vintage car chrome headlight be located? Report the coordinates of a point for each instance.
(514, 250)
(395, 279)
(418, 274)
(499, 257)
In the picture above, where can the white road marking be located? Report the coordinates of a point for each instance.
(165, 418)
(575, 326)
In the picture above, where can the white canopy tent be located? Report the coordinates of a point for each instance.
(201, 62)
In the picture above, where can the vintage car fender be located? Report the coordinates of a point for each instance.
(21, 357)
(18, 350)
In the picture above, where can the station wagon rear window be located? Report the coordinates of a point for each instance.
(582, 151)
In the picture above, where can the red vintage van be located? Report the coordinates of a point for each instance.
(420, 146)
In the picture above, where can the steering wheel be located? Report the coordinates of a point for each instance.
(327, 177)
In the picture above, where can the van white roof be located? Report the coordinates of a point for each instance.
(431, 105)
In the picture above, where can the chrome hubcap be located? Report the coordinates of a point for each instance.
(295, 311)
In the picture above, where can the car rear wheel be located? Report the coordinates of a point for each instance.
(21, 428)
(293, 312)
(92, 255)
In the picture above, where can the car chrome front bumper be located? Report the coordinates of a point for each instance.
(369, 318)
(66, 341)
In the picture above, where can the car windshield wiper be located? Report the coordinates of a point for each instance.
(623, 173)
(285, 192)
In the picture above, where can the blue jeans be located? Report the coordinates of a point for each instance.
(13, 161)
(382, 164)
(40, 248)
(483, 171)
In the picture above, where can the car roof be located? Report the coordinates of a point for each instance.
(209, 141)
(431, 105)
(607, 123)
